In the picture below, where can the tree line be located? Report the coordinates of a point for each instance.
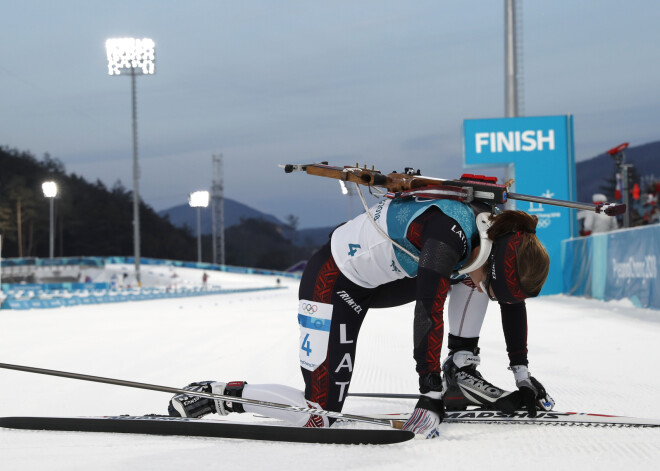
(94, 220)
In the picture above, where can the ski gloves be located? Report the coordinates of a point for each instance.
(532, 392)
(430, 408)
(427, 416)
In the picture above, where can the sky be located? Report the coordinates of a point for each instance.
(376, 82)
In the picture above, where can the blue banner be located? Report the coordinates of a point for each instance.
(616, 265)
(538, 153)
(632, 269)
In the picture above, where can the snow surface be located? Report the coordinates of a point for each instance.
(592, 357)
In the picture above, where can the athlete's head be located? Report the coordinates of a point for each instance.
(518, 263)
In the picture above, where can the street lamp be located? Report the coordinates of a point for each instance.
(130, 56)
(50, 192)
(199, 200)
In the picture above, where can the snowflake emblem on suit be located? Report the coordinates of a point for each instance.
(402, 216)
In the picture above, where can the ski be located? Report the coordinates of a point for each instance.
(165, 425)
(482, 416)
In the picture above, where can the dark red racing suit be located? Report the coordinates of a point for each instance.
(441, 248)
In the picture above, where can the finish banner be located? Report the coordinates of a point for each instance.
(538, 154)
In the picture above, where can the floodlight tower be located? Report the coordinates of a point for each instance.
(130, 56)
(199, 200)
(512, 74)
(50, 192)
(218, 211)
(513, 58)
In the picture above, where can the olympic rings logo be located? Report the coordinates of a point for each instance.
(544, 222)
(309, 308)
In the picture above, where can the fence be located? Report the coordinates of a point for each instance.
(51, 295)
(614, 265)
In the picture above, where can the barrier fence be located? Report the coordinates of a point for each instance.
(51, 295)
(51, 300)
(615, 265)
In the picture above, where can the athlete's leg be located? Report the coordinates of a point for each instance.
(330, 315)
(330, 312)
(464, 383)
(466, 310)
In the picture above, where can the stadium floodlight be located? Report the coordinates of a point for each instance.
(127, 56)
(50, 192)
(130, 56)
(49, 189)
(199, 200)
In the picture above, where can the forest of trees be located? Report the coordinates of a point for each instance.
(90, 219)
(93, 220)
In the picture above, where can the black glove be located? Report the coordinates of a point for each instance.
(532, 392)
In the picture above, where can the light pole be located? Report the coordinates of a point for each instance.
(130, 56)
(619, 156)
(199, 200)
(50, 192)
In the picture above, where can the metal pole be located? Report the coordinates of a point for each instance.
(511, 104)
(511, 73)
(218, 211)
(136, 177)
(222, 229)
(52, 227)
(626, 193)
(199, 235)
(154, 387)
(385, 395)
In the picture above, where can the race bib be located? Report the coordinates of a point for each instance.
(314, 319)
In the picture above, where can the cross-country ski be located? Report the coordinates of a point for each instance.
(479, 416)
(186, 427)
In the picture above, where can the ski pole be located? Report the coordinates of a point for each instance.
(240, 400)
(385, 395)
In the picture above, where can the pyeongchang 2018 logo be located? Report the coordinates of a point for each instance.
(631, 268)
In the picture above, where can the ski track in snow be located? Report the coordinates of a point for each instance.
(592, 357)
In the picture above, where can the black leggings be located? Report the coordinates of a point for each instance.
(322, 282)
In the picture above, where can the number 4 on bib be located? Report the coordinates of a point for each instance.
(305, 347)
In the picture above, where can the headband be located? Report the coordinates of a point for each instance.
(505, 281)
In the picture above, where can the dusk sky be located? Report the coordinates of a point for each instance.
(379, 82)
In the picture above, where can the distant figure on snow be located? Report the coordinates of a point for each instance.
(205, 278)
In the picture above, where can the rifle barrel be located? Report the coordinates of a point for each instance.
(552, 201)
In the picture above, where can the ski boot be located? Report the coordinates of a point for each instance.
(465, 386)
(189, 405)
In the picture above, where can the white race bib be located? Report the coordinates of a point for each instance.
(314, 319)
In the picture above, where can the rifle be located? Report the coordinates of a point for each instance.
(469, 188)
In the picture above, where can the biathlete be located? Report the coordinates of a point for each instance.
(400, 251)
